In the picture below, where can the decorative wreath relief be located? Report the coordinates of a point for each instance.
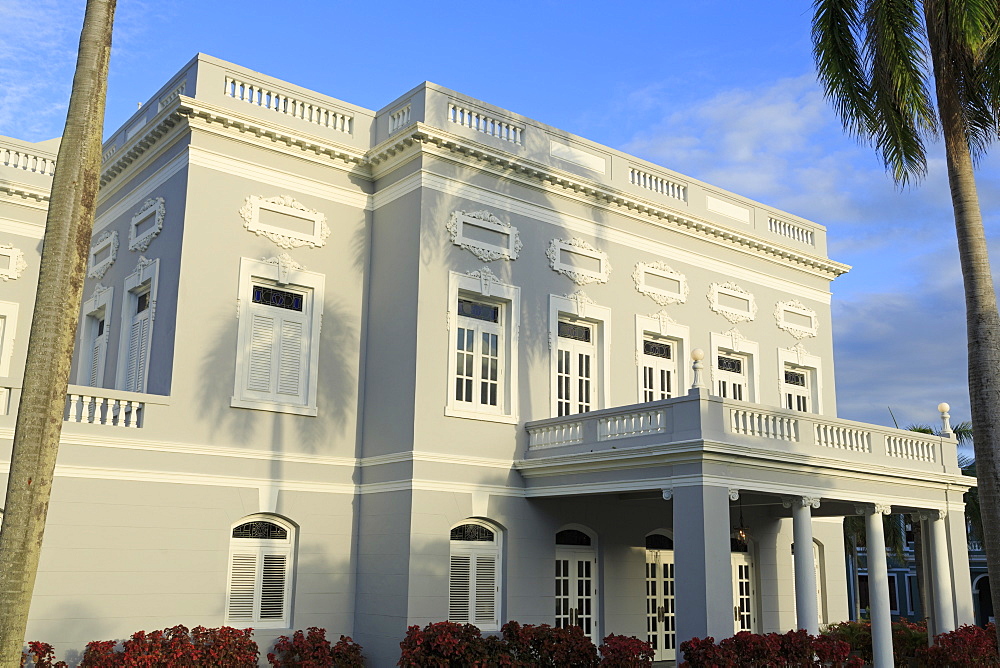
(661, 283)
(796, 318)
(14, 261)
(146, 224)
(283, 205)
(103, 254)
(579, 261)
(484, 235)
(286, 265)
(732, 302)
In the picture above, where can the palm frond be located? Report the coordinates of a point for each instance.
(963, 432)
(840, 64)
(902, 110)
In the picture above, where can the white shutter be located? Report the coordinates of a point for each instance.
(459, 581)
(486, 586)
(135, 332)
(261, 353)
(97, 360)
(291, 375)
(273, 586)
(242, 586)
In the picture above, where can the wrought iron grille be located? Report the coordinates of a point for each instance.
(572, 537)
(470, 309)
(657, 349)
(472, 532)
(658, 541)
(795, 378)
(277, 298)
(260, 530)
(731, 364)
(568, 330)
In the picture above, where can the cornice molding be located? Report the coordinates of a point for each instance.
(420, 136)
(23, 192)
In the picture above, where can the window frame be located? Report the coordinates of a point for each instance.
(152, 208)
(8, 312)
(107, 241)
(732, 343)
(284, 274)
(474, 549)
(484, 250)
(484, 287)
(99, 306)
(16, 263)
(260, 548)
(579, 308)
(662, 327)
(145, 279)
(796, 359)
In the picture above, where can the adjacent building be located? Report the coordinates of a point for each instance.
(366, 369)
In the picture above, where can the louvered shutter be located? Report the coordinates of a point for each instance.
(273, 586)
(97, 360)
(242, 586)
(261, 353)
(459, 590)
(485, 609)
(291, 374)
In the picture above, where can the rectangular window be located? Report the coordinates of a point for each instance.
(575, 368)
(478, 363)
(137, 359)
(137, 321)
(278, 348)
(731, 377)
(94, 334)
(659, 369)
(798, 390)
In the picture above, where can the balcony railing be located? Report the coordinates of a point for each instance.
(709, 418)
(112, 408)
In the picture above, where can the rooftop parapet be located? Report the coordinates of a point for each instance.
(28, 165)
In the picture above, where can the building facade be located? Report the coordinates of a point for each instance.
(362, 370)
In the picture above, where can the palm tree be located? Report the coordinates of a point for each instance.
(893, 528)
(879, 62)
(68, 227)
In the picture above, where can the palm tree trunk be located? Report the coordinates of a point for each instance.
(982, 318)
(68, 229)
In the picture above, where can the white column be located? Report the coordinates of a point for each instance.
(944, 608)
(878, 583)
(958, 549)
(703, 562)
(806, 614)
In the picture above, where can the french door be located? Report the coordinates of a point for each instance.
(661, 628)
(744, 594)
(576, 590)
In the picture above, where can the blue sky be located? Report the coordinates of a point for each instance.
(722, 91)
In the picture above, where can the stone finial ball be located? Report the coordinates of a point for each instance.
(943, 407)
(697, 354)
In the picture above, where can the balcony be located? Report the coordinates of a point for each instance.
(663, 433)
(112, 409)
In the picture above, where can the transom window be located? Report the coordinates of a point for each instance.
(572, 537)
(730, 364)
(485, 312)
(261, 530)
(568, 330)
(472, 532)
(269, 296)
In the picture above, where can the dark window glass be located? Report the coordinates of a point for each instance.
(292, 301)
(260, 530)
(795, 378)
(472, 532)
(100, 327)
(568, 330)
(656, 349)
(470, 309)
(733, 364)
(572, 537)
(142, 302)
(658, 541)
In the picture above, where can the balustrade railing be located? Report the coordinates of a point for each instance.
(657, 184)
(764, 424)
(563, 433)
(486, 124)
(904, 447)
(96, 408)
(791, 231)
(399, 119)
(20, 159)
(637, 423)
(289, 105)
(842, 438)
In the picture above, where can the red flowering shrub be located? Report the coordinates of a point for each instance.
(770, 650)
(176, 647)
(313, 650)
(443, 644)
(545, 645)
(965, 646)
(42, 655)
(625, 652)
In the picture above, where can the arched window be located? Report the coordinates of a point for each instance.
(261, 561)
(474, 576)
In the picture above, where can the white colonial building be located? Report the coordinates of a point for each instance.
(362, 370)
